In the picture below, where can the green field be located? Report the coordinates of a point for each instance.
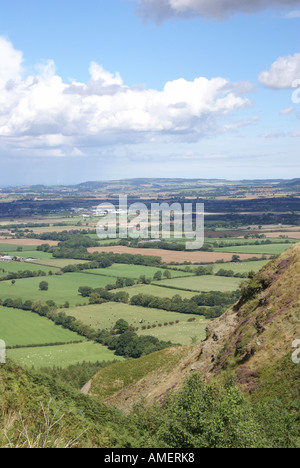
(157, 291)
(183, 333)
(62, 356)
(57, 262)
(203, 283)
(268, 249)
(13, 248)
(134, 271)
(61, 288)
(23, 328)
(28, 253)
(104, 316)
(242, 267)
(14, 267)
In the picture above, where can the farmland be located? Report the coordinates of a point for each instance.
(61, 288)
(202, 283)
(176, 274)
(175, 256)
(269, 249)
(62, 355)
(158, 291)
(184, 333)
(106, 315)
(24, 328)
(133, 271)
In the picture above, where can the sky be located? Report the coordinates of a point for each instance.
(107, 90)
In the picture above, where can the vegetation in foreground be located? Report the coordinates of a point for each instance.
(38, 412)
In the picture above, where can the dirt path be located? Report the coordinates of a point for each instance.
(85, 390)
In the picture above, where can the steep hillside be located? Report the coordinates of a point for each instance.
(123, 384)
(251, 342)
(36, 412)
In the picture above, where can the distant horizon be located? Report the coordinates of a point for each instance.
(149, 179)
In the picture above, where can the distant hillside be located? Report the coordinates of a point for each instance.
(251, 342)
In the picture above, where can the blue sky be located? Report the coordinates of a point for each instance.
(104, 89)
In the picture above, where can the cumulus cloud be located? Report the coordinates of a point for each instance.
(283, 74)
(218, 9)
(44, 111)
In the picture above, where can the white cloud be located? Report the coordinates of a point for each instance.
(282, 74)
(44, 110)
(288, 111)
(219, 9)
(10, 63)
(293, 14)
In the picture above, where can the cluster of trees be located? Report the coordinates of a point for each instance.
(76, 375)
(64, 236)
(231, 274)
(205, 415)
(165, 245)
(125, 342)
(100, 295)
(195, 306)
(22, 274)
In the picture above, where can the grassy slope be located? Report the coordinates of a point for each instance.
(120, 382)
(78, 421)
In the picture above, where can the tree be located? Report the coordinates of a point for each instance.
(121, 326)
(157, 276)
(236, 259)
(44, 286)
(167, 274)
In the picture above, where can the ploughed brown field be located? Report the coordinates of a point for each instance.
(29, 242)
(289, 234)
(169, 256)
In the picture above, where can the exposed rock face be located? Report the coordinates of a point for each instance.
(254, 335)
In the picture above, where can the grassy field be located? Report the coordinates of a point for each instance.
(105, 315)
(134, 271)
(61, 288)
(23, 328)
(58, 262)
(268, 249)
(203, 283)
(242, 267)
(13, 248)
(14, 267)
(28, 254)
(157, 291)
(183, 333)
(62, 356)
